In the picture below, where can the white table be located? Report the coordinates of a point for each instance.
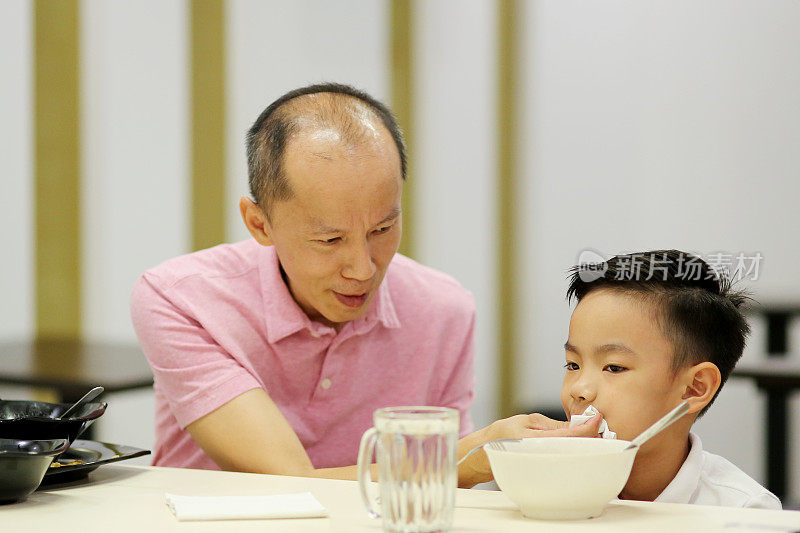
(131, 498)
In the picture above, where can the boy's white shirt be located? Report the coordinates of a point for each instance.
(708, 479)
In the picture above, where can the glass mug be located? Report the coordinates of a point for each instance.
(417, 473)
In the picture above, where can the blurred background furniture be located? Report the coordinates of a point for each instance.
(778, 378)
(69, 368)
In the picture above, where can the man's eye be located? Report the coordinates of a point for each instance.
(615, 369)
(572, 366)
(332, 240)
(383, 229)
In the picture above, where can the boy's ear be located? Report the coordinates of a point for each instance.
(256, 221)
(703, 382)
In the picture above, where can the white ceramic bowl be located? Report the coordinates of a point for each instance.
(565, 478)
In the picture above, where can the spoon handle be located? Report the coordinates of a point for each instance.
(662, 423)
(480, 446)
(89, 396)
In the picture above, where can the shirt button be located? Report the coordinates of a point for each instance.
(326, 384)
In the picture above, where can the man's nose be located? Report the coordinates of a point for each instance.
(359, 264)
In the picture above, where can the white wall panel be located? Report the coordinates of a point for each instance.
(455, 163)
(658, 124)
(16, 170)
(135, 142)
(275, 46)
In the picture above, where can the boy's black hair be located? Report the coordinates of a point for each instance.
(698, 311)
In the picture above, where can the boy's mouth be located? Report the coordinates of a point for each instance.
(580, 410)
(577, 410)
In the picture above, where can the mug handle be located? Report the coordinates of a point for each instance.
(365, 451)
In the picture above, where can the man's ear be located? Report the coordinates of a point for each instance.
(703, 382)
(256, 221)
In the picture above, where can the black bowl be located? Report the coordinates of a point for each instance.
(23, 464)
(29, 420)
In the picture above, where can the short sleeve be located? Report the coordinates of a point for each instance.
(190, 368)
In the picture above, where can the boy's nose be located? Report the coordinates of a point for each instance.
(583, 390)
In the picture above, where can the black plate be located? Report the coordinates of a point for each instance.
(92, 454)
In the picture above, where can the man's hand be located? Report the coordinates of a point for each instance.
(476, 468)
(536, 425)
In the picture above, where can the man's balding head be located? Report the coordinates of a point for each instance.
(352, 116)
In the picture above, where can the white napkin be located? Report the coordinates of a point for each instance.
(590, 411)
(302, 505)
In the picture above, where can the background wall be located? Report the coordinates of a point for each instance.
(455, 228)
(16, 157)
(641, 125)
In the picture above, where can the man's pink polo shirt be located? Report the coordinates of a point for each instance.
(219, 322)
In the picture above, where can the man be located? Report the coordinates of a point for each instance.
(270, 355)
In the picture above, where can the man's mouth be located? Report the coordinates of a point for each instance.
(352, 300)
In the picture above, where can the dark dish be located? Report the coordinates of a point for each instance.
(23, 464)
(30, 420)
(86, 455)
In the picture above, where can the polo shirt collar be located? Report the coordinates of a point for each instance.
(381, 310)
(685, 482)
(284, 317)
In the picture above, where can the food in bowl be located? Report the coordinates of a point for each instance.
(59, 464)
(563, 478)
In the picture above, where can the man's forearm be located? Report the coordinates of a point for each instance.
(471, 472)
(342, 472)
(475, 469)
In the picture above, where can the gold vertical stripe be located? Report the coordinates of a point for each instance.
(57, 169)
(400, 30)
(208, 122)
(507, 16)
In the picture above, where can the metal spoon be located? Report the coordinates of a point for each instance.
(661, 424)
(498, 444)
(89, 396)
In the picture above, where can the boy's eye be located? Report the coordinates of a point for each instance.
(615, 369)
(571, 366)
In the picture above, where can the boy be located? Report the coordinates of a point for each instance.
(650, 331)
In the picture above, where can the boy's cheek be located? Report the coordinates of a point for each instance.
(565, 399)
(623, 433)
(620, 420)
(627, 425)
(616, 424)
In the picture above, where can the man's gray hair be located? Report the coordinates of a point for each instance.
(269, 134)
